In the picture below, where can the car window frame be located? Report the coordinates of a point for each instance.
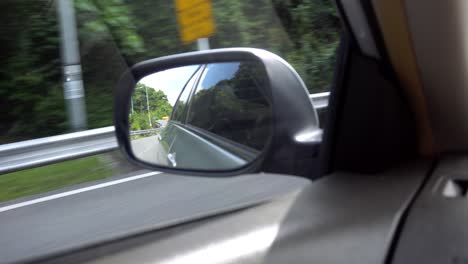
(231, 146)
(194, 89)
(196, 75)
(213, 137)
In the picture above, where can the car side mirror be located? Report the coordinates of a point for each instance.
(216, 112)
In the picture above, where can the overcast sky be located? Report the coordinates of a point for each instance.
(170, 81)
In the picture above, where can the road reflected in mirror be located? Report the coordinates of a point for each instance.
(209, 117)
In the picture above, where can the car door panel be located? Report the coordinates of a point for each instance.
(193, 151)
(342, 218)
(436, 223)
(165, 140)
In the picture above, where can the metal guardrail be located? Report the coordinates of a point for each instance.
(144, 132)
(42, 151)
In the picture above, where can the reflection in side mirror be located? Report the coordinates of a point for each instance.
(213, 116)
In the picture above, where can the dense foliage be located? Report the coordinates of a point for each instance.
(157, 102)
(116, 33)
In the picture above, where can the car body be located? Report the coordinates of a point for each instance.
(193, 143)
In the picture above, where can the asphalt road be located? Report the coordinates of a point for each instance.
(117, 207)
(150, 150)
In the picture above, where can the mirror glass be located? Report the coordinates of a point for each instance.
(209, 117)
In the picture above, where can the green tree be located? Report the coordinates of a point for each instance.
(30, 88)
(313, 27)
(108, 39)
(158, 104)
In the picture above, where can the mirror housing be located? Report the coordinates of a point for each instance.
(296, 136)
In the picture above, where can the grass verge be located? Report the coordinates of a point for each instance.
(51, 177)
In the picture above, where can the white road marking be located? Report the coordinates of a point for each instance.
(69, 193)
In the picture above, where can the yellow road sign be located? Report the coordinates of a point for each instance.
(195, 18)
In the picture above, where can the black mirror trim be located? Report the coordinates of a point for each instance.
(295, 121)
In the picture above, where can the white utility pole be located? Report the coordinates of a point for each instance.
(147, 106)
(72, 79)
(203, 44)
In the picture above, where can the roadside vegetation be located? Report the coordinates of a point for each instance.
(64, 174)
(159, 107)
(114, 34)
(47, 178)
